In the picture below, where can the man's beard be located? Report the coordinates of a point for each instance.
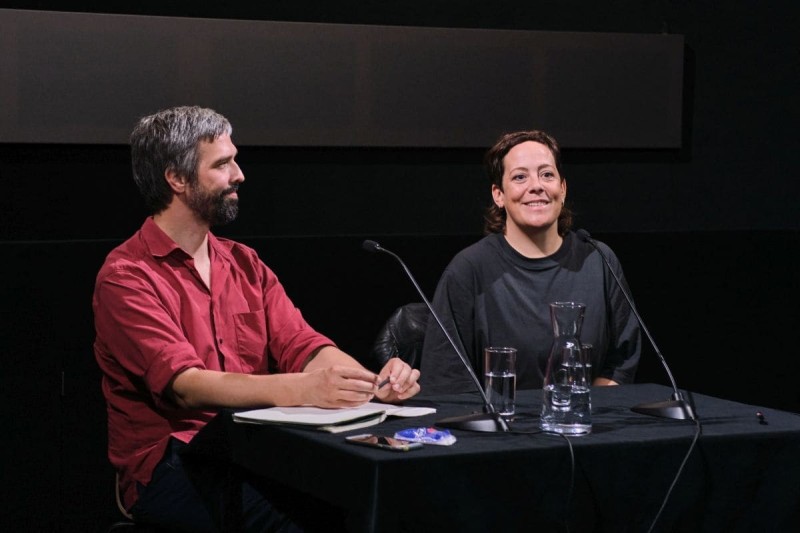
(215, 209)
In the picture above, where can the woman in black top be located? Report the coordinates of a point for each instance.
(497, 291)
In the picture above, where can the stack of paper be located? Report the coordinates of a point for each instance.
(330, 420)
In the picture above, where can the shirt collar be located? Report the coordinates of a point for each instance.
(158, 243)
(161, 245)
(539, 263)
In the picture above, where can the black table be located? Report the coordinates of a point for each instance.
(743, 475)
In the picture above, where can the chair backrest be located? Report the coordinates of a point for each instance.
(401, 336)
(128, 524)
(118, 497)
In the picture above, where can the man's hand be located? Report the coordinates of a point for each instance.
(339, 386)
(402, 383)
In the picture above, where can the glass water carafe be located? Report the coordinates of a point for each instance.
(566, 397)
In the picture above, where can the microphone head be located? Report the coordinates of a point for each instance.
(583, 235)
(370, 246)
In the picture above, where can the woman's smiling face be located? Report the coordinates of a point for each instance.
(533, 191)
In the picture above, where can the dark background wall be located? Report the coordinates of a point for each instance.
(705, 232)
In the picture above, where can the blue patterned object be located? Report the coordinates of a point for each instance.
(427, 435)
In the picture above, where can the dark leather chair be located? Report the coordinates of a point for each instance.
(401, 336)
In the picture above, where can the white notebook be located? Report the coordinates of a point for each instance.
(331, 420)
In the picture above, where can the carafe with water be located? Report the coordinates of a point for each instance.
(566, 398)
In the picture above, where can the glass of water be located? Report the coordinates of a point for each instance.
(500, 378)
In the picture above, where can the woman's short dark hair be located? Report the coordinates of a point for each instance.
(495, 217)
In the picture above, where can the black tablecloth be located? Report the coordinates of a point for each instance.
(743, 475)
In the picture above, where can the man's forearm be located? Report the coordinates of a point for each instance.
(197, 388)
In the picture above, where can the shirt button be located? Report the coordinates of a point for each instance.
(220, 341)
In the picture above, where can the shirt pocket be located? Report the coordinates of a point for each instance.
(251, 338)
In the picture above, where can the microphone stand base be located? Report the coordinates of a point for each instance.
(484, 422)
(675, 409)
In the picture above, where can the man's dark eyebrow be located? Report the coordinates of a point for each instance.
(225, 159)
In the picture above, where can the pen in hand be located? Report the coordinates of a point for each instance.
(385, 382)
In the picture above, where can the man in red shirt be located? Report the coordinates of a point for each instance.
(187, 322)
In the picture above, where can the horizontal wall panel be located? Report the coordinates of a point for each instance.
(86, 78)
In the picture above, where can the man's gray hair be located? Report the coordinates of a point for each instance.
(168, 140)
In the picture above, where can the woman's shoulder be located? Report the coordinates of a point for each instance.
(581, 248)
(483, 250)
(473, 264)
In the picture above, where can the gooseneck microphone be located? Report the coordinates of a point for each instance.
(677, 407)
(488, 421)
